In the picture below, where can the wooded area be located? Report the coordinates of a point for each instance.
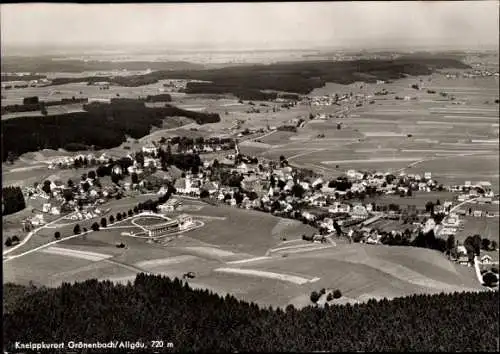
(154, 307)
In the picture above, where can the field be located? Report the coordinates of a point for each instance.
(244, 252)
(485, 227)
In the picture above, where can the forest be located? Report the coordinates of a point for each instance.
(101, 126)
(154, 307)
(249, 81)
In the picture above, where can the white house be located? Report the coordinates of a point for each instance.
(150, 149)
(171, 205)
(358, 211)
(430, 224)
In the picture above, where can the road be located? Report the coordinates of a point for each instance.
(462, 203)
(32, 233)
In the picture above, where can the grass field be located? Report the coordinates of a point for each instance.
(485, 227)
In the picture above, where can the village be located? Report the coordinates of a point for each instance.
(349, 206)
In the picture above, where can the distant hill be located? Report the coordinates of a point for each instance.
(43, 65)
(249, 81)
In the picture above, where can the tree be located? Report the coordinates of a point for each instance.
(92, 175)
(76, 229)
(118, 216)
(103, 223)
(329, 297)
(135, 178)
(8, 242)
(46, 187)
(70, 183)
(337, 294)
(450, 243)
(204, 194)
(297, 191)
(322, 291)
(111, 219)
(485, 244)
(124, 215)
(130, 213)
(95, 226)
(57, 235)
(493, 245)
(314, 296)
(15, 239)
(490, 279)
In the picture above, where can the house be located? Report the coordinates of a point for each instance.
(170, 205)
(180, 185)
(210, 187)
(351, 174)
(318, 181)
(451, 221)
(358, 211)
(308, 216)
(242, 168)
(430, 224)
(55, 211)
(427, 175)
(46, 207)
(150, 149)
(486, 259)
(477, 213)
(340, 208)
(117, 170)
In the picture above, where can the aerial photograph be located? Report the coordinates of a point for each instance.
(250, 177)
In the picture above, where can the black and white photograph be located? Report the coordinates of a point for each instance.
(250, 177)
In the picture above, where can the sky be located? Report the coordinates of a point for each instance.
(253, 25)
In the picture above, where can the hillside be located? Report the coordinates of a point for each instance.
(101, 125)
(154, 307)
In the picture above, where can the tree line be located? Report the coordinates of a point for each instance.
(155, 307)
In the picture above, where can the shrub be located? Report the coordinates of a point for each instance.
(76, 229)
(95, 226)
(315, 296)
(57, 235)
(337, 294)
(490, 279)
(103, 222)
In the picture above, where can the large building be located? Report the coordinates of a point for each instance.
(183, 222)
